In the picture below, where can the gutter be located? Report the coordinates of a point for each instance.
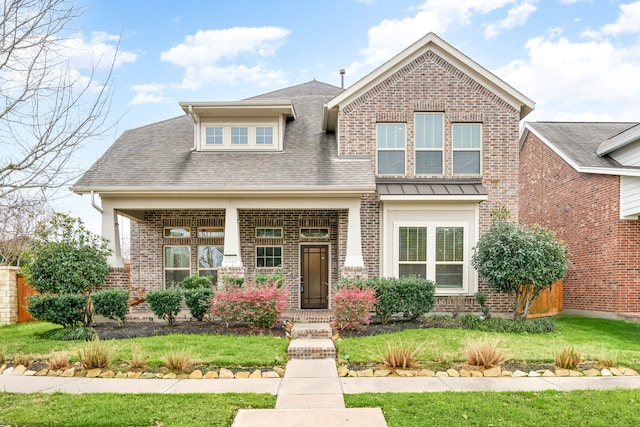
(94, 204)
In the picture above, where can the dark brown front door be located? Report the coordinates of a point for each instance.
(314, 280)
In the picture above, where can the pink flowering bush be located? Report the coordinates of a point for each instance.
(352, 306)
(258, 306)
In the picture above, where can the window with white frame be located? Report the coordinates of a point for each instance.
(209, 260)
(177, 264)
(467, 144)
(205, 232)
(391, 148)
(432, 251)
(240, 135)
(429, 137)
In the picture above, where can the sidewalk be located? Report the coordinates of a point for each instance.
(20, 384)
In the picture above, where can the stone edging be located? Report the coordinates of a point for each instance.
(496, 372)
(73, 371)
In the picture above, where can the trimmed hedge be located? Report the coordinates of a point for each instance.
(165, 303)
(112, 303)
(67, 310)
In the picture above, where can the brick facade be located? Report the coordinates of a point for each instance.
(584, 210)
(431, 84)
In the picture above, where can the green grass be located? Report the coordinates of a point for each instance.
(114, 410)
(213, 350)
(618, 408)
(594, 338)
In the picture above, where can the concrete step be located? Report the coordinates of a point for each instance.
(310, 348)
(308, 417)
(311, 330)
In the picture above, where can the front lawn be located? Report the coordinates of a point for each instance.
(597, 340)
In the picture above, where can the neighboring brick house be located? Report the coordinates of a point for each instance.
(582, 180)
(392, 176)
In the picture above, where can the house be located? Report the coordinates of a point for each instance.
(395, 175)
(582, 180)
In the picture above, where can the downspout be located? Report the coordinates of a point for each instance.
(196, 128)
(94, 204)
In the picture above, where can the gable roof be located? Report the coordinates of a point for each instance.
(452, 55)
(577, 144)
(157, 158)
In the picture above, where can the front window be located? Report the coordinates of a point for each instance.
(429, 137)
(413, 251)
(204, 232)
(177, 264)
(177, 232)
(466, 148)
(214, 136)
(264, 135)
(268, 256)
(239, 135)
(269, 232)
(209, 260)
(449, 256)
(391, 148)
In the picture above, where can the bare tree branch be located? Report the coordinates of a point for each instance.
(47, 109)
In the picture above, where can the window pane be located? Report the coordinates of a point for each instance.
(390, 162)
(176, 257)
(268, 232)
(413, 244)
(264, 135)
(466, 135)
(214, 136)
(174, 277)
(210, 273)
(466, 162)
(449, 276)
(428, 129)
(210, 232)
(268, 256)
(419, 270)
(210, 256)
(391, 135)
(449, 244)
(239, 135)
(177, 232)
(321, 233)
(429, 162)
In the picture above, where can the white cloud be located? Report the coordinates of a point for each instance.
(517, 16)
(570, 79)
(97, 52)
(391, 35)
(211, 56)
(150, 93)
(628, 20)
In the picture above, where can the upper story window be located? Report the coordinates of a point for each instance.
(429, 139)
(234, 137)
(391, 148)
(467, 143)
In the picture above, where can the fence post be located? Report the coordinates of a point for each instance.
(8, 295)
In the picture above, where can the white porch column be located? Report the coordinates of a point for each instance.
(232, 257)
(354, 238)
(111, 232)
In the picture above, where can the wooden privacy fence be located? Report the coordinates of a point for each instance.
(549, 303)
(24, 291)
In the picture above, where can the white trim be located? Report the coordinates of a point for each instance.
(416, 149)
(251, 124)
(619, 141)
(459, 150)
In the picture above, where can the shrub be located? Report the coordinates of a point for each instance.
(258, 306)
(470, 321)
(67, 310)
(112, 303)
(402, 355)
(567, 358)
(232, 282)
(353, 307)
(410, 296)
(94, 354)
(197, 301)
(533, 326)
(267, 279)
(58, 361)
(165, 303)
(138, 360)
(22, 359)
(483, 352)
(195, 281)
(178, 360)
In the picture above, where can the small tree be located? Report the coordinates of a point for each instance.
(64, 258)
(519, 260)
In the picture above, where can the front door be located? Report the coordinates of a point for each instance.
(314, 276)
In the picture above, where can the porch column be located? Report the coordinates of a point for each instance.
(353, 257)
(232, 257)
(111, 232)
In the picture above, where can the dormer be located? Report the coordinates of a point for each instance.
(239, 125)
(624, 147)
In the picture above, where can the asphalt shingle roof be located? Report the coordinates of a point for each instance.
(158, 156)
(579, 140)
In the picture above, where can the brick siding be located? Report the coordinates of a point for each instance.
(583, 209)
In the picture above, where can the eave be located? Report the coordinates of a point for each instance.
(240, 109)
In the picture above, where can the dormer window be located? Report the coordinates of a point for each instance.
(242, 125)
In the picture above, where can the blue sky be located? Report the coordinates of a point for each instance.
(578, 60)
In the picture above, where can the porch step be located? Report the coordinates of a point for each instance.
(309, 316)
(311, 348)
(311, 330)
